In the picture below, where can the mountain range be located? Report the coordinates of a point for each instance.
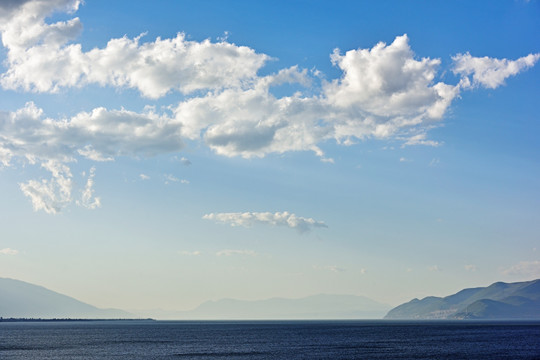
(520, 300)
(499, 301)
(20, 299)
(320, 306)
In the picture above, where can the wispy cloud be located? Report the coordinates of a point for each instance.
(169, 178)
(332, 268)
(421, 139)
(523, 268)
(88, 200)
(247, 219)
(228, 252)
(471, 268)
(50, 195)
(8, 251)
(190, 253)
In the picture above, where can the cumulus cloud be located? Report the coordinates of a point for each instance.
(41, 59)
(252, 122)
(229, 252)
(247, 219)
(98, 135)
(384, 92)
(8, 251)
(385, 89)
(489, 72)
(524, 268)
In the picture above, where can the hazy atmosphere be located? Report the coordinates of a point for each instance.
(157, 155)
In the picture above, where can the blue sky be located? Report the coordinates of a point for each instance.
(161, 155)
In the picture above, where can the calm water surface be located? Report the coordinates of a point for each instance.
(289, 340)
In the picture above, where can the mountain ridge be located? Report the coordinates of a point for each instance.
(500, 300)
(20, 299)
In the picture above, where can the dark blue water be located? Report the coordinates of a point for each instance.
(269, 340)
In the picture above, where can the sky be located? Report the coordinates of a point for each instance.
(162, 154)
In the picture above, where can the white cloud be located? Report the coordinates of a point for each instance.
(8, 251)
(144, 177)
(171, 178)
(88, 200)
(89, 153)
(252, 122)
(385, 92)
(41, 59)
(50, 195)
(247, 219)
(420, 139)
(490, 72)
(5, 156)
(327, 160)
(434, 268)
(98, 135)
(385, 89)
(471, 268)
(190, 253)
(524, 268)
(228, 252)
(331, 268)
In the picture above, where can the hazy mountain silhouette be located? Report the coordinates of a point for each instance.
(311, 307)
(19, 299)
(520, 300)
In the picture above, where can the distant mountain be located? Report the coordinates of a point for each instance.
(19, 299)
(520, 300)
(311, 307)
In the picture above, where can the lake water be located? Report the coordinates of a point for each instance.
(288, 340)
